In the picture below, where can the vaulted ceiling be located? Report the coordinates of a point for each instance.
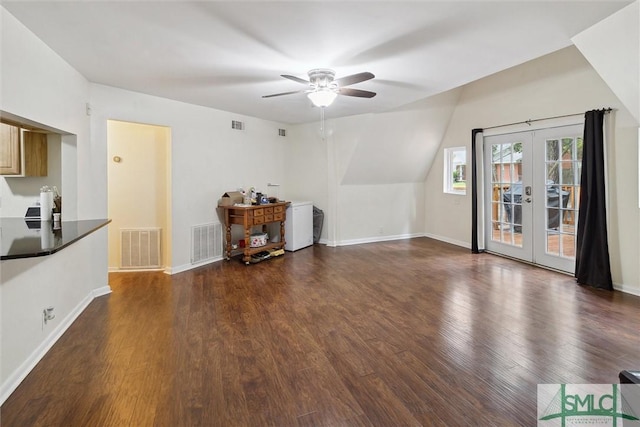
(227, 54)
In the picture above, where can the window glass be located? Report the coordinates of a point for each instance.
(455, 170)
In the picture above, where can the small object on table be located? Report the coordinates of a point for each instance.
(276, 252)
(260, 256)
(258, 240)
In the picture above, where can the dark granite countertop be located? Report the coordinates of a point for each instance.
(22, 239)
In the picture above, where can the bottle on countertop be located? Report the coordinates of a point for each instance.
(57, 201)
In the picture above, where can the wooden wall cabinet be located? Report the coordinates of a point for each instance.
(22, 152)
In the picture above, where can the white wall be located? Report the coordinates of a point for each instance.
(367, 173)
(397, 146)
(353, 213)
(306, 168)
(38, 85)
(376, 206)
(557, 84)
(208, 157)
(65, 281)
(369, 213)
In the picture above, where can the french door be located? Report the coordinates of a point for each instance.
(532, 188)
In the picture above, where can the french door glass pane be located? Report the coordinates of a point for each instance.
(506, 219)
(569, 245)
(553, 246)
(552, 149)
(563, 166)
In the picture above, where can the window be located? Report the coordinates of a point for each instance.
(455, 170)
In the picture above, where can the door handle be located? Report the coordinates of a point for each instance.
(528, 200)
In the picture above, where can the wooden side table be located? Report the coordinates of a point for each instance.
(256, 215)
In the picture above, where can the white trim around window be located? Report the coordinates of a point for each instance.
(455, 170)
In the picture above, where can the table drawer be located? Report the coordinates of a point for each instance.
(278, 216)
(268, 217)
(258, 212)
(268, 211)
(277, 209)
(258, 220)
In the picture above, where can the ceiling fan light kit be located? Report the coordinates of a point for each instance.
(323, 88)
(322, 97)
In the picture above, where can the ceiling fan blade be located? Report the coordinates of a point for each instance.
(295, 79)
(283, 93)
(353, 79)
(356, 92)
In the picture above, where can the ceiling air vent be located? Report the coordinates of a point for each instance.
(237, 125)
(282, 132)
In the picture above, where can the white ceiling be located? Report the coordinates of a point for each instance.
(227, 54)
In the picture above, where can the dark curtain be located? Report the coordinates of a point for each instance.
(592, 251)
(475, 247)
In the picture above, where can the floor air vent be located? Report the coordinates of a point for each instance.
(140, 248)
(206, 242)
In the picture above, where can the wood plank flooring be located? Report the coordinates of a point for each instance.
(404, 333)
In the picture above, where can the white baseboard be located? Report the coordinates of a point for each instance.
(132, 270)
(633, 290)
(105, 290)
(14, 380)
(448, 240)
(187, 267)
(377, 239)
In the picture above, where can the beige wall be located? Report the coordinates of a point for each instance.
(557, 84)
(612, 47)
(138, 185)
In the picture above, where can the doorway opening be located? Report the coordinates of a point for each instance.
(139, 196)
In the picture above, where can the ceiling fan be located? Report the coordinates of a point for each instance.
(323, 88)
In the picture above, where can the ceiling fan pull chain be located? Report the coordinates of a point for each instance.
(322, 123)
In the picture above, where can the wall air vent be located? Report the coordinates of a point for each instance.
(140, 248)
(237, 125)
(282, 132)
(206, 242)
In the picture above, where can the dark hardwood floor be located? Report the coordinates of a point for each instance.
(404, 333)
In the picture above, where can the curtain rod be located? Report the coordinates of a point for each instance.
(528, 122)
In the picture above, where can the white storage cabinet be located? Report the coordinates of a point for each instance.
(298, 227)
